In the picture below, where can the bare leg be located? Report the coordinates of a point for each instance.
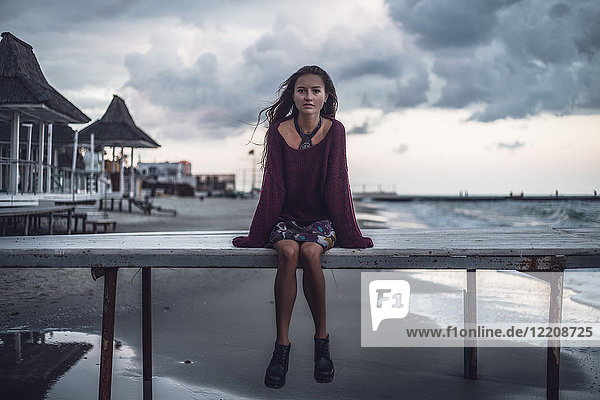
(285, 287)
(313, 283)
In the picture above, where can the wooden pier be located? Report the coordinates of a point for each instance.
(528, 250)
(409, 197)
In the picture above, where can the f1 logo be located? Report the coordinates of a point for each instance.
(388, 299)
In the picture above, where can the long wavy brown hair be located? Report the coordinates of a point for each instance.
(284, 106)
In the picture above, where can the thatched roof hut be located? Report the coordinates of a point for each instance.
(116, 128)
(23, 87)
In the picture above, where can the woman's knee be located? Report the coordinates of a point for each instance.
(288, 254)
(310, 253)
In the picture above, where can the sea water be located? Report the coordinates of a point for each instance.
(492, 214)
(508, 292)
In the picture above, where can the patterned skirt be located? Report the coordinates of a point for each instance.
(320, 232)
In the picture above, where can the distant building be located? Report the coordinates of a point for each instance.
(166, 171)
(176, 178)
(216, 185)
(170, 177)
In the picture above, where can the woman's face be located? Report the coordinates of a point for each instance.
(309, 94)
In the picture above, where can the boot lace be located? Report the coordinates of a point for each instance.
(322, 347)
(280, 355)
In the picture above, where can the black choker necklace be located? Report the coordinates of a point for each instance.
(307, 137)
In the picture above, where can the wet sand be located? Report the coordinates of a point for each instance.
(222, 321)
(212, 214)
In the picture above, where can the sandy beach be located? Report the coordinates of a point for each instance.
(214, 331)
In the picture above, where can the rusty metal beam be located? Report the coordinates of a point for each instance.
(108, 333)
(147, 331)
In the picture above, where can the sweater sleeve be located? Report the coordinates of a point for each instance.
(338, 196)
(272, 196)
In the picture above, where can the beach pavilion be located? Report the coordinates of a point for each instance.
(29, 106)
(116, 129)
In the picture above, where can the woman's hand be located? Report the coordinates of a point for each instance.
(368, 242)
(244, 241)
(365, 242)
(361, 242)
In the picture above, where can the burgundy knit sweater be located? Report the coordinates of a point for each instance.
(306, 185)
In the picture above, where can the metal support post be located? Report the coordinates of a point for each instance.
(13, 178)
(554, 317)
(147, 331)
(470, 317)
(69, 218)
(49, 158)
(108, 332)
(40, 159)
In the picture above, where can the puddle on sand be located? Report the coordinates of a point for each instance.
(64, 365)
(52, 364)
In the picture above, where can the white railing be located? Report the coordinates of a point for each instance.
(62, 179)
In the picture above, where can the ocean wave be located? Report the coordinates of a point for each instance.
(495, 214)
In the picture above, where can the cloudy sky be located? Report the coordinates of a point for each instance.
(437, 96)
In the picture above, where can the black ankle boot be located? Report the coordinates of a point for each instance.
(323, 364)
(278, 367)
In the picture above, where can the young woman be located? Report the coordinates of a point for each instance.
(305, 206)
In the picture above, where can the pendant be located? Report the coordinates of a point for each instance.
(305, 145)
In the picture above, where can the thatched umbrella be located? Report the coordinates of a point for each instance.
(117, 129)
(26, 96)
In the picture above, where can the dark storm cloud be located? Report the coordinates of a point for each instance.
(509, 58)
(196, 93)
(45, 14)
(178, 88)
(211, 92)
(271, 59)
(372, 66)
(413, 92)
(559, 10)
(502, 58)
(57, 14)
(460, 93)
(443, 23)
(377, 52)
